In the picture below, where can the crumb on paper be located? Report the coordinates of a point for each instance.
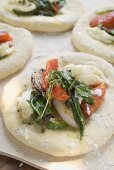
(20, 165)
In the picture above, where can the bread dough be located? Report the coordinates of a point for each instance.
(23, 45)
(98, 130)
(93, 40)
(65, 21)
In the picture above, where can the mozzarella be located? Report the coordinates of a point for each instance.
(5, 50)
(100, 35)
(86, 74)
(65, 113)
(23, 105)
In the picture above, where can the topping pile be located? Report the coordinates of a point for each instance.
(105, 21)
(6, 46)
(38, 7)
(52, 84)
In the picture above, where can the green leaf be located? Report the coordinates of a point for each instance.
(83, 91)
(2, 57)
(77, 113)
(56, 125)
(38, 103)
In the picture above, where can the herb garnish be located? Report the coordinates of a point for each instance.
(72, 86)
(38, 102)
(42, 102)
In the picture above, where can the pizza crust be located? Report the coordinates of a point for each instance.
(98, 130)
(23, 45)
(71, 12)
(83, 41)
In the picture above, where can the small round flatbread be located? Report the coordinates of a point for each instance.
(98, 130)
(23, 45)
(94, 40)
(61, 22)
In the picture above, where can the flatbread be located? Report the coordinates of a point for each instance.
(98, 130)
(86, 43)
(23, 45)
(71, 12)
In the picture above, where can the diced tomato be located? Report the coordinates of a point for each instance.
(51, 65)
(107, 20)
(98, 95)
(4, 37)
(59, 93)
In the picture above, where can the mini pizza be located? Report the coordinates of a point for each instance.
(15, 49)
(63, 107)
(41, 15)
(94, 33)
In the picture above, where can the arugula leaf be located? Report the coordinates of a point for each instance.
(38, 103)
(77, 113)
(83, 91)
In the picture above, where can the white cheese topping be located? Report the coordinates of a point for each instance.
(5, 49)
(86, 74)
(100, 35)
(24, 106)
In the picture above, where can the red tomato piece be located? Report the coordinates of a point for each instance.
(4, 37)
(59, 93)
(107, 20)
(51, 65)
(98, 95)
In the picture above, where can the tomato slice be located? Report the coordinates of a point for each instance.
(107, 20)
(51, 65)
(59, 93)
(98, 94)
(4, 37)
